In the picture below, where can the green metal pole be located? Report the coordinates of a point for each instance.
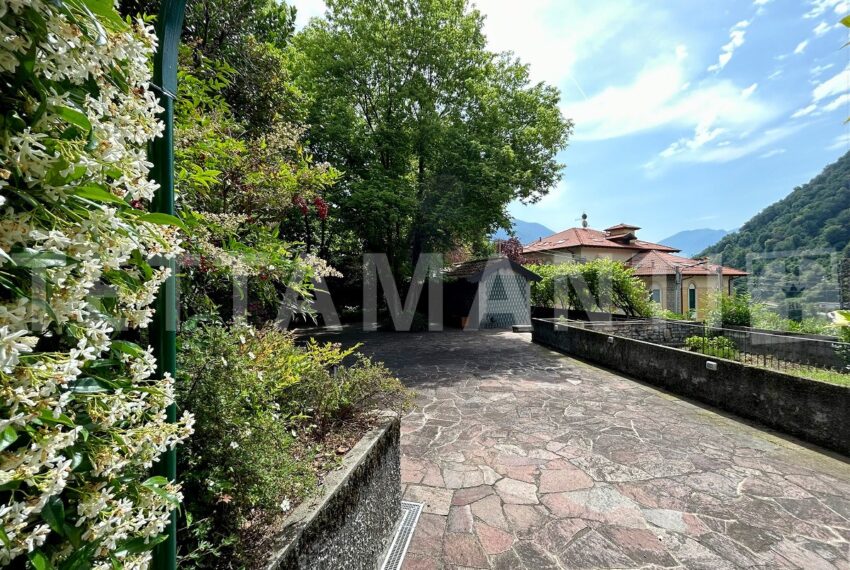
(164, 326)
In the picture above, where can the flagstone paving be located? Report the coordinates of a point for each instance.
(525, 458)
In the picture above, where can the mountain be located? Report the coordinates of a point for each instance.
(815, 216)
(527, 232)
(694, 241)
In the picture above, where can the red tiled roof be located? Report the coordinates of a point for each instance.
(587, 237)
(622, 227)
(663, 263)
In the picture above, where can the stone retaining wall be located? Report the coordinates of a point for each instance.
(814, 411)
(659, 331)
(352, 523)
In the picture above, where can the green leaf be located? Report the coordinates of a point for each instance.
(5, 538)
(138, 545)
(127, 347)
(105, 10)
(80, 462)
(162, 219)
(168, 497)
(38, 259)
(846, 21)
(48, 417)
(74, 116)
(8, 437)
(74, 534)
(53, 514)
(39, 561)
(89, 385)
(10, 485)
(97, 193)
(156, 481)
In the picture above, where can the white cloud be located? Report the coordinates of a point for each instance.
(703, 134)
(723, 151)
(774, 152)
(736, 40)
(818, 69)
(820, 7)
(553, 36)
(775, 74)
(801, 47)
(821, 29)
(840, 142)
(661, 95)
(835, 85)
(804, 111)
(837, 103)
(761, 2)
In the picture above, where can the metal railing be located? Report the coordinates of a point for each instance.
(815, 358)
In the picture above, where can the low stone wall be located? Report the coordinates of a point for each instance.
(814, 411)
(659, 331)
(351, 524)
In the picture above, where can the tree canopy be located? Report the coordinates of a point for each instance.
(434, 133)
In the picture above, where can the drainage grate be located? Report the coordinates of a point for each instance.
(401, 540)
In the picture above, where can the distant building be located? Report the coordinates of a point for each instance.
(678, 283)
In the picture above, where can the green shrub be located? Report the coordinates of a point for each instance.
(731, 310)
(662, 313)
(718, 346)
(599, 285)
(265, 409)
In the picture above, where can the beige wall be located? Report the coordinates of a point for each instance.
(705, 285)
(591, 253)
(588, 253)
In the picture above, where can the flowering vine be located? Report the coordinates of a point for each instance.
(82, 415)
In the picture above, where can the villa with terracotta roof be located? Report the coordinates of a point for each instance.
(678, 283)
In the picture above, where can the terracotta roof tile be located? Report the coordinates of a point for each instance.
(663, 263)
(587, 237)
(622, 227)
(474, 270)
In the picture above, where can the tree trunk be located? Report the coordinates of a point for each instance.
(418, 238)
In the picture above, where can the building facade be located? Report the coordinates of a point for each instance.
(677, 283)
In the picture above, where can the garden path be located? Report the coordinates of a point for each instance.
(525, 458)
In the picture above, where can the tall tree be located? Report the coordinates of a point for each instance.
(435, 133)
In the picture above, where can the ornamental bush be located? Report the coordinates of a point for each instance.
(269, 419)
(599, 285)
(83, 415)
(719, 346)
(731, 310)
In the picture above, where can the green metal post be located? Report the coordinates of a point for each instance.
(164, 326)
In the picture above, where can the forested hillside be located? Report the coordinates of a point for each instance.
(793, 248)
(814, 216)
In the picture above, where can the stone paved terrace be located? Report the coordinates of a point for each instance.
(525, 458)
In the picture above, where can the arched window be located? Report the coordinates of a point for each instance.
(692, 298)
(655, 294)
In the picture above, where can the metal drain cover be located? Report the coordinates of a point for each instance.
(407, 524)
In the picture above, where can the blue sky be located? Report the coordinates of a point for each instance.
(687, 114)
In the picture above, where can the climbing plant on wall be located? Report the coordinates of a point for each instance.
(82, 417)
